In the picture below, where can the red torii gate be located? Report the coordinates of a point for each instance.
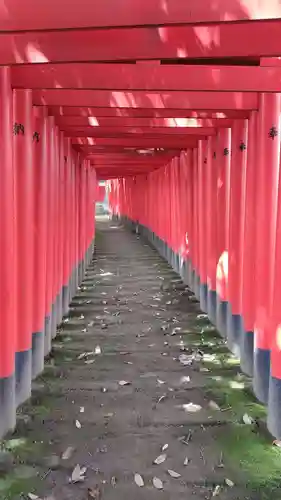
(110, 90)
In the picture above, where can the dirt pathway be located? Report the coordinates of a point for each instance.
(115, 395)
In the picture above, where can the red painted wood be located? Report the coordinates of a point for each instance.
(124, 123)
(24, 184)
(7, 233)
(188, 100)
(237, 171)
(138, 142)
(104, 13)
(249, 234)
(101, 112)
(145, 77)
(223, 171)
(40, 218)
(267, 171)
(137, 132)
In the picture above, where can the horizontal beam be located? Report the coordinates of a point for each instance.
(214, 41)
(123, 123)
(100, 112)
(143, 99)
(52, 14)
(137, 132)
(138, 142)
(160, 78)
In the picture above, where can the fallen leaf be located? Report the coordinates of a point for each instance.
(82, 316)
(247, 419)
(139, 480)
(78, 474)
(173, 474)
(82, 409)
(124, 382)
(67, 453)
(159, 460)
(98, 350)
(91, 323)
(216, 491)
(82, 355)
(191, 407)
(157, 483)
(78, 424)
(89, 361)
(213, 405)
(186, 461)
(94, 493)
(229, 482)
(276, 442)
(113, 481)
(185, 359)
(33, 497)
(165, 447)
(161, 381)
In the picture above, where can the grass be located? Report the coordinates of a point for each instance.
(247, 449)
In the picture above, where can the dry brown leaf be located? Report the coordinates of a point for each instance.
(157, 483)
(67, 453)
(139, 480)
(94, 493)
(173, 474)
(159, 460)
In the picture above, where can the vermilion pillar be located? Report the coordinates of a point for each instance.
(202, 186)
(274, 395)
(67, 242)
(40, 239)
(223, 170)
(248, 242)
(211, 226)
(7, 259)
(61, 230)
(24, 172)
(238, 167)
(195, 256)
(50, 236)
(267, 173)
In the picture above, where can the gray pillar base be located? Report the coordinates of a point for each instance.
(203, 293)
(261, 374)
(274, 407)
(59, 308)
(65, 300)
(212, 306)
(54, 318)
(233, 328)
(23, 363)
(247, 351)
(7, 404)
(48, 335)
(37, 353)
(196, 286)
(221, 317)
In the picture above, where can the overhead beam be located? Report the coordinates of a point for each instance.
(160, 78)
(130, 44)
(100, 112)
(123, 123)
(138, 142)
(143, 99)
(52, 14)
(137, 132)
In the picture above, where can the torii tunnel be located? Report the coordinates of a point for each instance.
(176, 105)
